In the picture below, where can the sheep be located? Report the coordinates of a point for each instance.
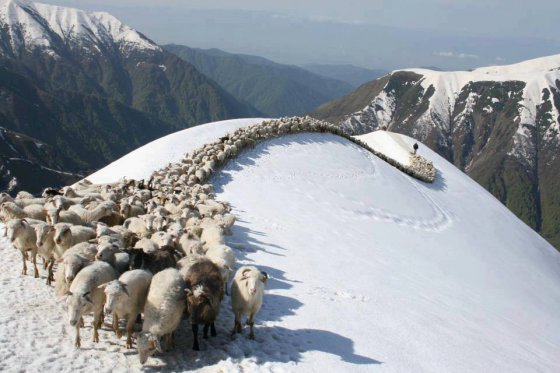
(46, 247)
(111, 253)
(56, 215)
(85, 297)
(128, 210)
(212, 235)
(205, 290)
(247, 291)
(10, 210)
(162, 239)
(189, 244)
(104, 209)
(126, 298)
(72, 261)
(22, 235)
(223, 257)
(162, 313)
(67, 236)
(137, 225)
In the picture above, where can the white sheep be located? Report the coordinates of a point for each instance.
(138, 225)
(10, 210)
(126, 298)
(129, 210)
(212, 235)
(85, 297)
(56, 215)
(162, 313)
(111, 253)
(247, 291)
(46, 247)
(102, 210)
(72, 261)
(162, 239)
(224, 258)
(22, 235)
(189, 244)
(67, 236)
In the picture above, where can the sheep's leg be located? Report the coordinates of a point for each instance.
(116, 328)
(77, 340)
(236, 325)
(35, 265)
(251, 323)
(45, 263)
(168, 342)
(82, 322)
(213, 329)
(97, 320)
(195, 347)
(205, 330)
(24, 257)
(129, 329)
(50, 275)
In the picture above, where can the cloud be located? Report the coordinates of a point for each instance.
(457, 55)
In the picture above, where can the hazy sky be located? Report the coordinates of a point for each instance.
(375, 33)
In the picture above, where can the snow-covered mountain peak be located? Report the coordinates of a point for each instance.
(31, 25)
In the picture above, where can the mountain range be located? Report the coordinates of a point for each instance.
(274, 89)
(499, 124)
(93, 88)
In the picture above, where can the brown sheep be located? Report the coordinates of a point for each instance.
(205, 290)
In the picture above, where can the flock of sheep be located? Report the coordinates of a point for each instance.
(151, 251)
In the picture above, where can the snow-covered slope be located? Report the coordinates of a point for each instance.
(140, 163)
(30, 25)
(370, 270)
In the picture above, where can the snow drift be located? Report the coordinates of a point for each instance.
(370, 270)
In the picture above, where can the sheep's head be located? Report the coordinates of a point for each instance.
(106, 252)
(53, 214)
(72, 265)
(77, 305)
(201, 304)
(13, 227)
(114, 291)
(62, 233)
(43, 231)
(253, 279)
(147, 345)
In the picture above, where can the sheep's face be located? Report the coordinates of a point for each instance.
(12, 229)
(200, 305)
(72, 265)
(43, 232)
(253, 280)
(147, 344)
(114, 292)
(77, 305)
(106, 253)
(62, 234)
(52, 215)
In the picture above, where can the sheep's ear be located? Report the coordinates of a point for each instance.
(155, 342)
(87, 298)
(125, 289)
(103, 286)
(265, 276)
(188, 292)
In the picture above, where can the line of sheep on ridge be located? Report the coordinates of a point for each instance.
(153, 248)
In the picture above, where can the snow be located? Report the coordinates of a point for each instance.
(390, 144)
(370, 270)
(38, 21)
(140, 163)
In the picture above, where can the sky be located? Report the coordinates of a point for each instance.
(375, 33)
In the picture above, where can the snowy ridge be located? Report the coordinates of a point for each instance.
(370, 270)
(537, 75)
(35, 25)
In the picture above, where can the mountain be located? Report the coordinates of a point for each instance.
(499, 124)
(353, 75)
(94, 88)
(274, 89)
(369, 271)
